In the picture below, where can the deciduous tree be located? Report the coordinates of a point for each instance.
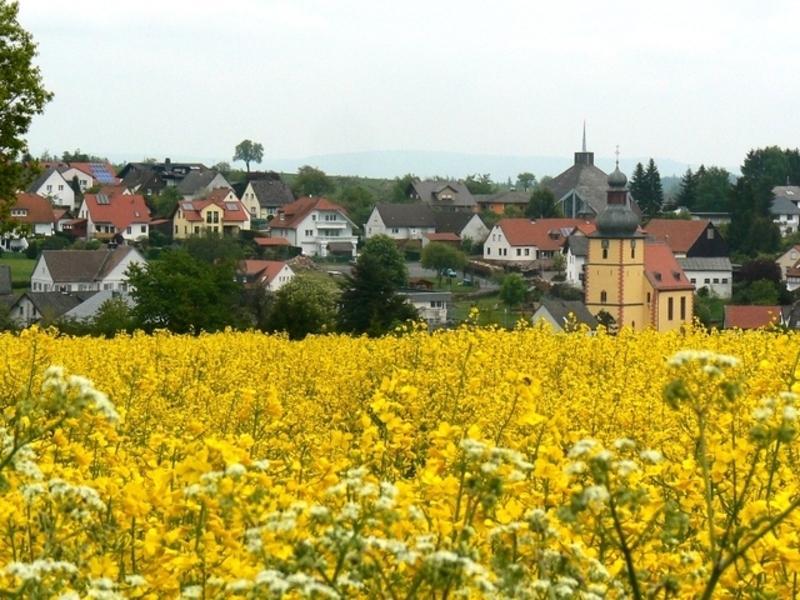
(248, 151)
(526, 180)
(542, 205)
(441, 257)
(311, 181)
(22, 96)
(304, 306)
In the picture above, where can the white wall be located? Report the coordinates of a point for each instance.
(496, 247)
(574, 269)
(723, 288)
(475, 230)
(58, 190)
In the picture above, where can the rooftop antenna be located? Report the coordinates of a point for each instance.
(584, 135)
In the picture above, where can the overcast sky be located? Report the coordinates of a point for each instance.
(687, 80)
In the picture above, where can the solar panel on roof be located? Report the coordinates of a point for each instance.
(101, 173)
(231, 206)
(102, 199)
(187, 206)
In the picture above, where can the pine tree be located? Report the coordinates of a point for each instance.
(639, 188)
(688, 192)
(655, 193)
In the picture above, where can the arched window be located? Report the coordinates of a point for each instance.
(605, 253)
(633, 248)
(603, 297)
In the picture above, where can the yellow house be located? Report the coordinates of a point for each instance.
(220, 212)
(638, 284)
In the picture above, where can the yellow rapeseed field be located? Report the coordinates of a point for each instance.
(469, 463)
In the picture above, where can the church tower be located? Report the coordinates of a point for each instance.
(615, 273)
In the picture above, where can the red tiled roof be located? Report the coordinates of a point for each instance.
(751, 317)
(662, 270)
(39, 210)
(120, 210)
(113, 190)
(232, 209)
(545, 234)
(87, 168)
(680, 234)
(262, 271)
(271, 241)
(291, 215)
(443, 237)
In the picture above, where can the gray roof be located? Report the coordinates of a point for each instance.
(406, 215)
(716, 263)
(790, 192)
(578, 245)
(5, 279)
(418, 296)
(426, 191)
(507, 197)
(88, 308)
(560, 309)
(272, 192)
(590, 185)
(453, 222)
(82, 265)
(195, 181)
(39, 181)
(52, 305)
(781, 205)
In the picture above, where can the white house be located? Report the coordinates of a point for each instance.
(84, 270)
(713, 273)
(31, 214)
(467, 226)
(431, 306)
(317, 226)
(785, 215)
(120, 213)
(523, 240)
(52, 185)
(401, 221)
(32, 307)
(270, 274)
(577, 249)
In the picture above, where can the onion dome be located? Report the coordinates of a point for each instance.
(617, 179)
(617, 220)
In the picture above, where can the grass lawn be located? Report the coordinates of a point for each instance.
(21, 269)
(492, 311)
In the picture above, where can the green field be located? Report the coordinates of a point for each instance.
(21, 269)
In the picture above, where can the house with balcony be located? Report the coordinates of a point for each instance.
(220, 212)
(31, 215)
(317, 226)
(52, 185)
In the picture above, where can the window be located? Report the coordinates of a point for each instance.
(693, 280)
(143, 228)
(527, 251)
(129, 229)
(724, 280)
(313, 217)
(519, 251)
(683, 308)
(605, 253)
(603, 297)
(395, 230)
(49, 188)
(710, 233)
(716, 280)
(176, 229)
(488, 251)
(60, 187)
(648, 297)
(670, 308)
(196, 229)
(706, 281)
(633, 248)
(309, 232)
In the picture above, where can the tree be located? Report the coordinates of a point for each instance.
(248, 151)
(543, 204)
(358, 202)
(311, 181)
(526, 180)
(751, 230)
(225, 168)
(480, 184)
(399, 192)
(772, 166)
(79, 156)
(369, 302)
(164, 203)
(513, 290)
(441, 257)
(646, 188)
(304, 306)
(712, 190)
(112, 317)
(638, 186)
(687, 193)
(22, 95)
(212, 248)
(184, 294)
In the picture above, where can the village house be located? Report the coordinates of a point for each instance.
(576, 251)
(789, 264)
(564, 315)
(522, 240)
(401, 221)
(431, 306)
(47, 307)
(84, 270)
(151, 178)
(443, 195)
(639, 284)
(52, 185)
(501, 202)
(785, 214)
(32, 215)
(220, 212)
(89, 174)
(120, 214)
(317, 226)
(469, 227)
(752, 317)
(687, 238)
(714, 273)
(200, 183)
(272, 275)
(264, 197)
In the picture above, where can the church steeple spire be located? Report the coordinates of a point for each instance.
(584, 135)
